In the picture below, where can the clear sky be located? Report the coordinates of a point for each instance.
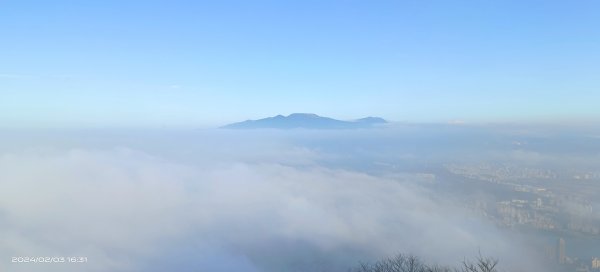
(205, 63)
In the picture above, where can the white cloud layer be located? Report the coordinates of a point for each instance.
(127, 210)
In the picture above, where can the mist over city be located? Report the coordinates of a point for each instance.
(300, 200)
(268, 136)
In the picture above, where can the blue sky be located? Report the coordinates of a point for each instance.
(205, 63)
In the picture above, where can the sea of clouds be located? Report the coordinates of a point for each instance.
(234, 201)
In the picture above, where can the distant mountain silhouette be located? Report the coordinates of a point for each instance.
(306, 120)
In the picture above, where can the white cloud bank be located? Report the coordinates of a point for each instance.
(129, 211)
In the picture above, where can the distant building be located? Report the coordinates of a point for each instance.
(596, 263)
(562, 256)
(550, 252)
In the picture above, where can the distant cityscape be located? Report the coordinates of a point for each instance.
(549, 201)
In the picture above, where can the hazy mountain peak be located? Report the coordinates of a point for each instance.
(303, 115)
(373, 120)
(306, 120)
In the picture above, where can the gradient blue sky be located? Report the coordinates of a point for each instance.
(205, 63)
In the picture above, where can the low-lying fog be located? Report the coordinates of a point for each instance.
(263, 200)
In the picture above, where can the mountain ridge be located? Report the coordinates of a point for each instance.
(307, 121)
